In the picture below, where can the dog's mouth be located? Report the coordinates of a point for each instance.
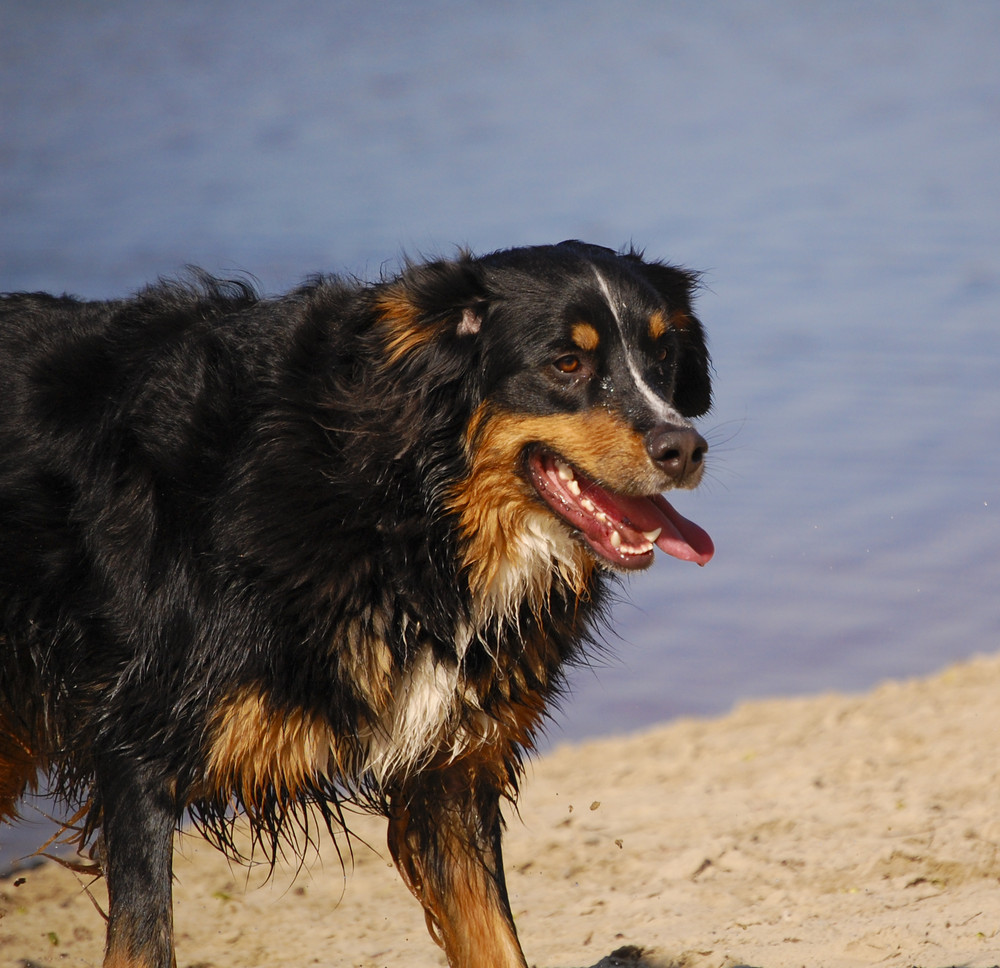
(619, 528)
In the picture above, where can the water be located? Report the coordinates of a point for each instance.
(832, 168)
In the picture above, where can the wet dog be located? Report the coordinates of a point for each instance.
(271, 556)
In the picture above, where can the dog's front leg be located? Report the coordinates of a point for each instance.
(444, 834)
(137, 836)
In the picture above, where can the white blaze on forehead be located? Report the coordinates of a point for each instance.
(657, 404)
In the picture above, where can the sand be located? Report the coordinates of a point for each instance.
(832, 831)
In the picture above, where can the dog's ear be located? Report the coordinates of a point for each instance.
(437, 303)
(693, 387)
(471, 321)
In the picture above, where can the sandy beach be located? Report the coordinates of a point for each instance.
(831, 831)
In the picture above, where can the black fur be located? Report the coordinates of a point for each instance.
(209, 498)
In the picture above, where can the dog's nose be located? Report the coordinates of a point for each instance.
(679, 451)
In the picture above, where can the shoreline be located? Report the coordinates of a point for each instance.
(834, 831)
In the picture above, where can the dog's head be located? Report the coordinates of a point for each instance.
(583, 368)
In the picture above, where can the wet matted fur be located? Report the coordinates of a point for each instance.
(273, 555)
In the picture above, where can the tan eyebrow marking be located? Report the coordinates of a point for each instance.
(659, 324)
(585, 336)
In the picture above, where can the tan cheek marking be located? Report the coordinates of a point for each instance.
(495, 506)
(585, 336)
(600, 444)
(255, 745)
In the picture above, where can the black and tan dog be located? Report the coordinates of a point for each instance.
(273, 556)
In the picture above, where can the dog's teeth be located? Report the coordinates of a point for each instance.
(587, 504)
(651, 536)
(564, 470)
(572, 486)
(625, 549)
(616, 539)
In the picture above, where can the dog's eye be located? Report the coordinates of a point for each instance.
(660, 353)
(567, 364)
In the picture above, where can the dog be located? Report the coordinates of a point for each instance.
(274, 556)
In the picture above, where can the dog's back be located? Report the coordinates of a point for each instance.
(117, 424)
(338, 545)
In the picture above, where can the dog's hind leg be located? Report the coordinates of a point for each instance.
(444, 834)
(18, 769)
(137, 837)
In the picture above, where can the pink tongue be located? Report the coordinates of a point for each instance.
(681, 538)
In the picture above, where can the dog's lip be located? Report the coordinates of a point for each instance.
(620, 528)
